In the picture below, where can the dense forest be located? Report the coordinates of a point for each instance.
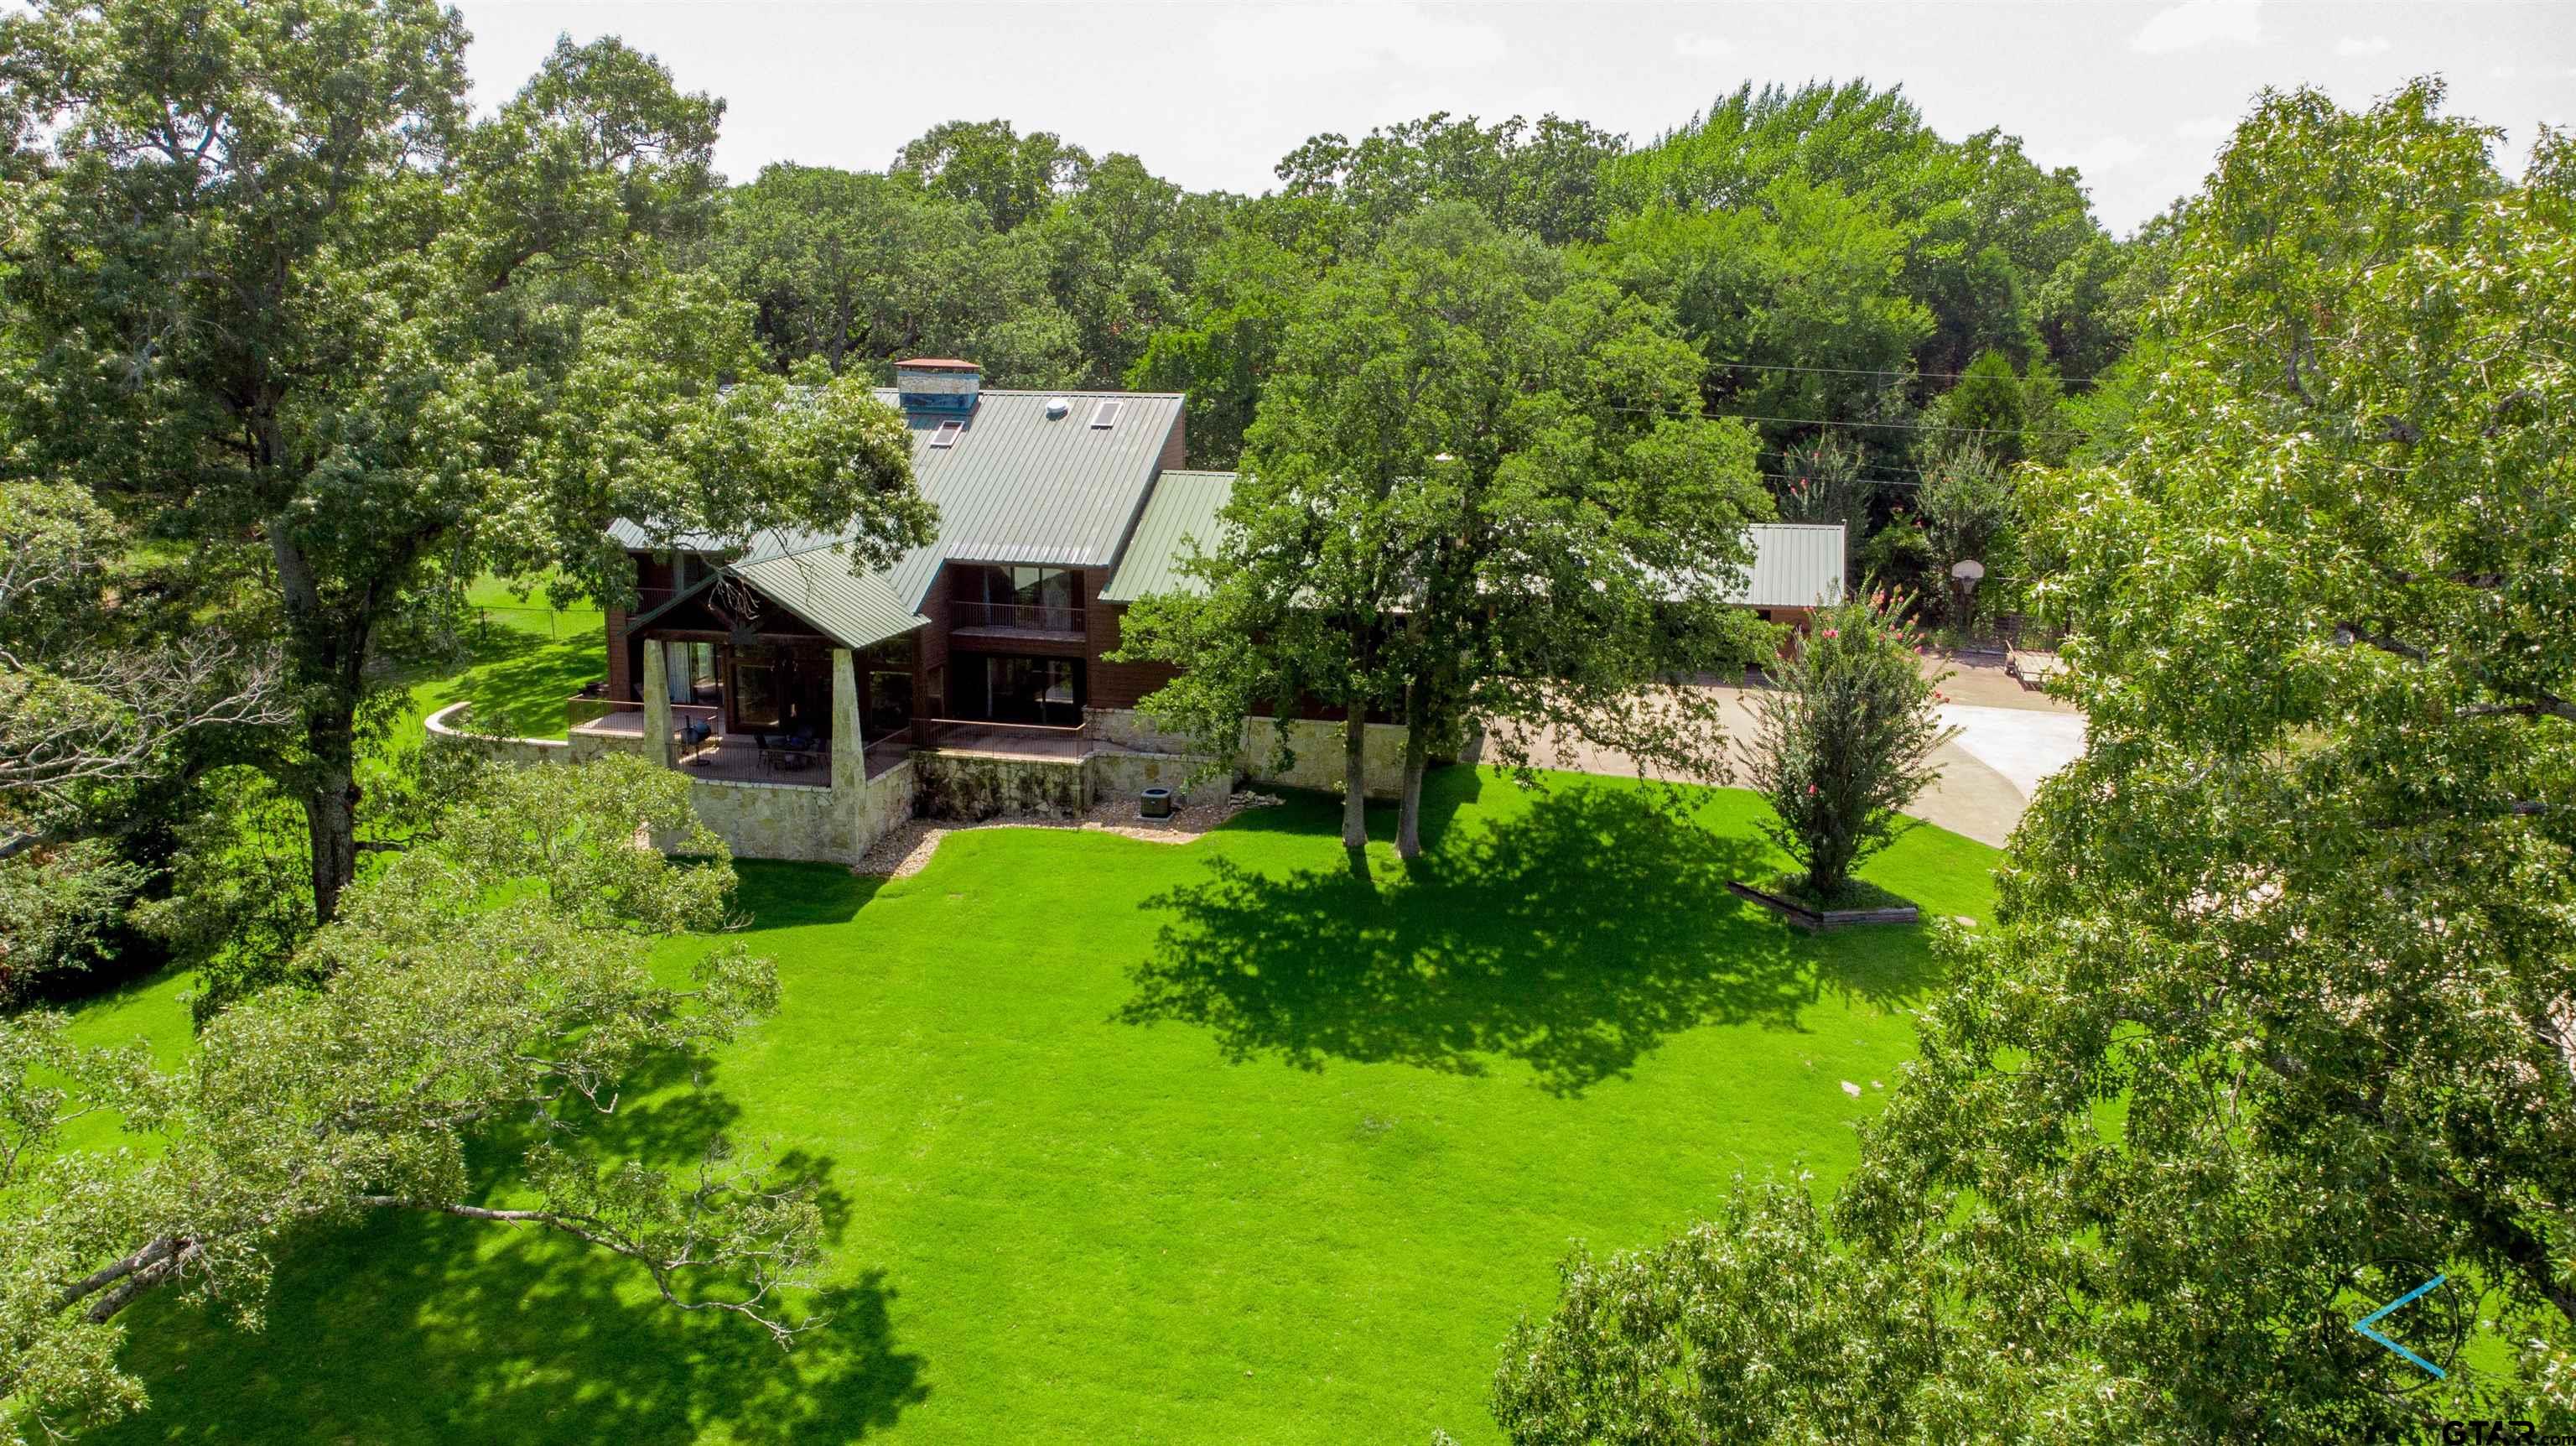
(1840, 266)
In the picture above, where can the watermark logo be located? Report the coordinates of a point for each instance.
(2366, 1325)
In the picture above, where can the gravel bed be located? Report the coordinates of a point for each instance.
(906, 848)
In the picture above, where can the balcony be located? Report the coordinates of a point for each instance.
(1016, 620)
(982, 738)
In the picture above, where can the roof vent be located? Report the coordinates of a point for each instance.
(937, 386)
(1057, 407)
(1105, 415)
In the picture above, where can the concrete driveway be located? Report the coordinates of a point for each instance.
(2008, 741)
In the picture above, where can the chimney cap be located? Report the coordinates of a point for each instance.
(937, 364)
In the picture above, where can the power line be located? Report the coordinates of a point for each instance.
(1873, 481)
(1829, 422)
(1867, 372)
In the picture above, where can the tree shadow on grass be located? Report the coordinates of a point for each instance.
(1573, 935)
(428, 1329)
(417, 1327)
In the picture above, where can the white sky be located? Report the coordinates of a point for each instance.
(1212, 94)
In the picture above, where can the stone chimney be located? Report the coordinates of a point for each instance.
(933, 386)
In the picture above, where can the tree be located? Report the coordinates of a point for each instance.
(862, 270)
(1996, 248)
(110, 678)
(1248, 291)
(1970, 514)
(1542, 178)
(2274, 1021)
(1478, 491)
(1843, 741)
(1750, 1326)
(1825, 485)
(1011, 178)
(1987, 410)
(290, 306)
(1795, 298)
(496, 975)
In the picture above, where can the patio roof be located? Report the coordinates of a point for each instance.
(854, 609)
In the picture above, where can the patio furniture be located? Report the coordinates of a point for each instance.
(695, 734)
(792, 751)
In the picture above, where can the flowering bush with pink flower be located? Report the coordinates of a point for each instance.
(1843, 741)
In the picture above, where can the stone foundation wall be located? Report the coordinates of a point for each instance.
(970, 789)
(1125, 776)
(587, 746)
(756, 820)
(1129, 729)
(884, 803)
(774, 820)
(1318, 746)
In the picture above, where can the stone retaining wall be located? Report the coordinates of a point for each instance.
(774, 820)
(968, 788)
(1127, 775)
(1318, 748)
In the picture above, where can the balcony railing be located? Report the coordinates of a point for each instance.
(625, 715)
(1003, 740)
(1015, 617)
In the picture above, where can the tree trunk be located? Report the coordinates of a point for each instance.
(326, 655)
(331, 813)
(1355, 779)
(1417, 760)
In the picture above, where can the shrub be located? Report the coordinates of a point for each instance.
(1844, 740)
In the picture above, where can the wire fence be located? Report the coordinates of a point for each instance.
(558, 624)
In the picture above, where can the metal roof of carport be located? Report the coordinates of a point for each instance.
(1795, 565)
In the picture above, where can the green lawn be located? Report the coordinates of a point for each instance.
(522, 660)
(1134, 1142)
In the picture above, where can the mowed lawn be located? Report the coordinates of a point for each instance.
(1134, 1142)
(521, 661)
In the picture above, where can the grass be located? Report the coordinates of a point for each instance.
(1239, 1141)
(1856, 893)
(522, 660)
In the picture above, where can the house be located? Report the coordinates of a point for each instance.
(817, 707)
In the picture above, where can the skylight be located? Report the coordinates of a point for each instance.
(1106, 415)
(946, 436)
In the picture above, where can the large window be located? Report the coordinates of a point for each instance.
(1020, 690)
(889, 703)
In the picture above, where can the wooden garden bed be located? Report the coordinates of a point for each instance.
(1808, 917)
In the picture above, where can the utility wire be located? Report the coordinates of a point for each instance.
(1865, 371)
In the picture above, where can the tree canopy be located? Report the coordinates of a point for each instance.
(283, 300)
(1485, 476)
(490, 987)
(2277, 1019)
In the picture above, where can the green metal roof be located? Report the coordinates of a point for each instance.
(1182, 510)
(1016, 486)
(855, 609)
